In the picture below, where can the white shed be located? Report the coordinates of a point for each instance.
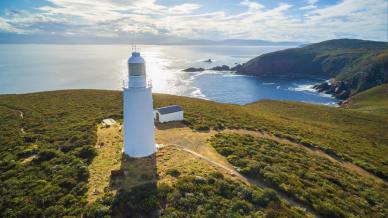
(108, 122)
(169, 113)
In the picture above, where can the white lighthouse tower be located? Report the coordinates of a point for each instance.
(139, 138)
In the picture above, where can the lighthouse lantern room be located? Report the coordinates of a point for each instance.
(139, 138)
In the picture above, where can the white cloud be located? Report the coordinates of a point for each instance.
(253, 6)
(6, 27)
(115, 18)
(183, 9)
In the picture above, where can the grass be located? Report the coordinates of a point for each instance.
(176, 183)
(333, 191)
(346, 134)
(108, 158)
(343, 133)
(374, 101)
(62, 125)
(190, 185)
(185, 137)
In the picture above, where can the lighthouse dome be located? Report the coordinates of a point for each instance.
(136, 65)
(136, 58)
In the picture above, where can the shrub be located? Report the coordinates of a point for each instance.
(173, 172)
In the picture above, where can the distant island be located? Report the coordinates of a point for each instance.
(200, 69)
(7, 38)
(239, 42)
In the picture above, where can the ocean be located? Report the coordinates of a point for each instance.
(28, 68)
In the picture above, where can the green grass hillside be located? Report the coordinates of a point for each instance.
(329, 188)
(374, 100)
(44, 170)
(346, 134)
(47, 142)
(45, 154)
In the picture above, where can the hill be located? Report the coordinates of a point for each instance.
(239, 42)
(374, 100)
(54, 162)
(351, 65)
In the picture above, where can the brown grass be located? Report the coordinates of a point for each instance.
(138, 171)
(109, 145)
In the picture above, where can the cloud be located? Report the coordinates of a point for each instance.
(183, 8)
(124, 18)
(253, 6)
(310, 4)
(6, 27)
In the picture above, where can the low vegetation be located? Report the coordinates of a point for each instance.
(343, 133)
(374, 100)
(208, 196)
(59, 138)
(329, 188)
(45, 155)
(172, 183)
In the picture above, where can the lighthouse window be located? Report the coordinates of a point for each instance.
(137, 69)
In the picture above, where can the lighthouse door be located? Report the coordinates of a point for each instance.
(157, 117)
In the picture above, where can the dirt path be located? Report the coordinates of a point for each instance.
(21, 117)
(196, 143)
(183, 141)
(21, 114)
(314, 151)
(255, 182)
(184, 136)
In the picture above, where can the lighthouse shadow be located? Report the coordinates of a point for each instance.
(169, 125)
(136, 187)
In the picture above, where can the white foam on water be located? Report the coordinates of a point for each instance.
(207, 72)
(197, 93)
(233, 75)
(303, 88)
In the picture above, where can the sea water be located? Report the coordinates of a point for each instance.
(34, 67)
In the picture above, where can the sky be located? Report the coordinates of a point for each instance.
(172, 20)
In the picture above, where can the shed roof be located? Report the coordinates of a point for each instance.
(108, 121)
(170, 109)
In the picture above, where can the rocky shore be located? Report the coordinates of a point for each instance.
(338, 89)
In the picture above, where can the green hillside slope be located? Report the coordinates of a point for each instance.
(353, 65)
(329, 188)
(47, 141)
(374, 100)
(45, 153)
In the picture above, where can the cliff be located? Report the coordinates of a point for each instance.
(351, 65)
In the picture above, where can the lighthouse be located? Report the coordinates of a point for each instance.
(139, 138)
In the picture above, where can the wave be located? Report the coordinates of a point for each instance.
(325, 95)
(206, 72)
(303, 88)
(197, 93)
(233, 75)
(310, 88)
(268, 84)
